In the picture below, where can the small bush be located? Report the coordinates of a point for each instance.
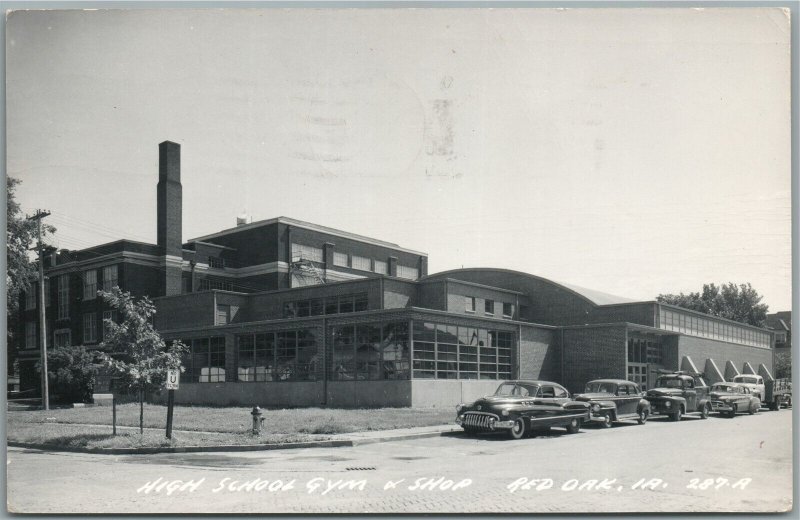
(71, 374)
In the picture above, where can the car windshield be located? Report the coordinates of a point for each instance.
(669, 382)
(597, 387)
(743, 379)
(731, 389)
(516, 389)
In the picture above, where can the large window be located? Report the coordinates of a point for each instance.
(370, 351)
(208, 284)
(90, 285)
(381, 267)
(62, 338)
(110, 277)
(303, 252)
(641, 350)
(362, 263)
(31, 340)
(331, 305)
(108, 315)
(411, 273)
(454, 352)
(89, 327)
(30, 297)
(205, 362)
(340, 259)
(278, 356)
(63, 296)
(710, 328)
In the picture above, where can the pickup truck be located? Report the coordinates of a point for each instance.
(773, 393)
(679, 393)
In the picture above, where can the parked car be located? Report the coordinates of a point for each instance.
(613, 400)
(754, 382)
(518, 407)
(679, 393)
(730, 398)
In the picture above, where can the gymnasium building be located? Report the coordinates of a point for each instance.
(283, 312)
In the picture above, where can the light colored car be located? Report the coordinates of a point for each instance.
(754, 382)
(733, 398)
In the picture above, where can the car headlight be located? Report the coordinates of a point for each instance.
(595, 408)
(667, 404)
(504, 413)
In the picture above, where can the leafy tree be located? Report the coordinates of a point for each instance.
(134, 350)
(20, 271)
(783, 365)
(71, 373)
(739, 303)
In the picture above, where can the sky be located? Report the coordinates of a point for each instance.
(631, 151)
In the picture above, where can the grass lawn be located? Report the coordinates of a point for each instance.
(229, 425)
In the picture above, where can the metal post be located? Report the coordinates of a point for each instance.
(170, 405)
(114, 411)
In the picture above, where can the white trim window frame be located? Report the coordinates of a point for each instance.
(110, 277)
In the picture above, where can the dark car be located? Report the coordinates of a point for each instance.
(517, 407)
(730, 398)
(679, 393)
(612, 400)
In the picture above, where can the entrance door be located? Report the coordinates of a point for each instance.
(637, 372)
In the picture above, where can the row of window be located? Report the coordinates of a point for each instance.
(362, 263)
(92, 331)
(455, 352)
(370, 351)
(90, 287)
(488, 306)
(330, 305)
(208, 284)
(712, 329)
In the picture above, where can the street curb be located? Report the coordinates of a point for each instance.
(231, 447)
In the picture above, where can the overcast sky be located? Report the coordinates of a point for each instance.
(635, 151)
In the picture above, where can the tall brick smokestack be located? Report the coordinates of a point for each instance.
(169, 202)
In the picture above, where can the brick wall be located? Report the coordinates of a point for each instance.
(398, 294)
(700, 349)
(539, 354)
(457, 294)
(593, 353)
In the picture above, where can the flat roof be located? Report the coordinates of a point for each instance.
(309, 226)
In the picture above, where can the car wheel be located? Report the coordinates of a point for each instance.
(705, 411)
(732, 413)
(574, 426)
(753, 409)
(643, 415)
(519, 429)
(677, 415)
(607, 420)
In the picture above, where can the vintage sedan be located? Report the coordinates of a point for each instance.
(731, 398)
(518, 407)
(613, 400)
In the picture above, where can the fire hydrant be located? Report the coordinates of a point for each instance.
(258, 421)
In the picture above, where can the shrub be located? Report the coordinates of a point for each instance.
(71, 374)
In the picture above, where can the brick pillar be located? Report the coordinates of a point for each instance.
(392, 266)
(169, 206)
(423, 266)
(327, 255)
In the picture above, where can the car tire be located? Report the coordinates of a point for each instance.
(608, 421)
(643, 415)
(519, 430)
(574, 426)
(732, 413)
(676, 416)
(704, 413)
(752, 410)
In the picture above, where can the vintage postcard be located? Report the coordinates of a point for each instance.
(399, 260)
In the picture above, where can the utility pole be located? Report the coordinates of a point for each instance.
(42, 305)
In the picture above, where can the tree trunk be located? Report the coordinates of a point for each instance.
(141, 409)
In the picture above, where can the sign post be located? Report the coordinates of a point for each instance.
(173, 379)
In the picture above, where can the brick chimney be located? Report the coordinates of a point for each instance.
(169, 202)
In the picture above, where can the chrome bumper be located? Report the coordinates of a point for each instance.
(485, 422)
(720, 407)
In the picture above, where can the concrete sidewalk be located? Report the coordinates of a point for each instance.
(332, 441)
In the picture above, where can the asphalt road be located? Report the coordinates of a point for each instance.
(718, 464)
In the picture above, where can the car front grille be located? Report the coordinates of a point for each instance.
(478, 421)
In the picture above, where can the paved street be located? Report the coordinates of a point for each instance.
(741, 464)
